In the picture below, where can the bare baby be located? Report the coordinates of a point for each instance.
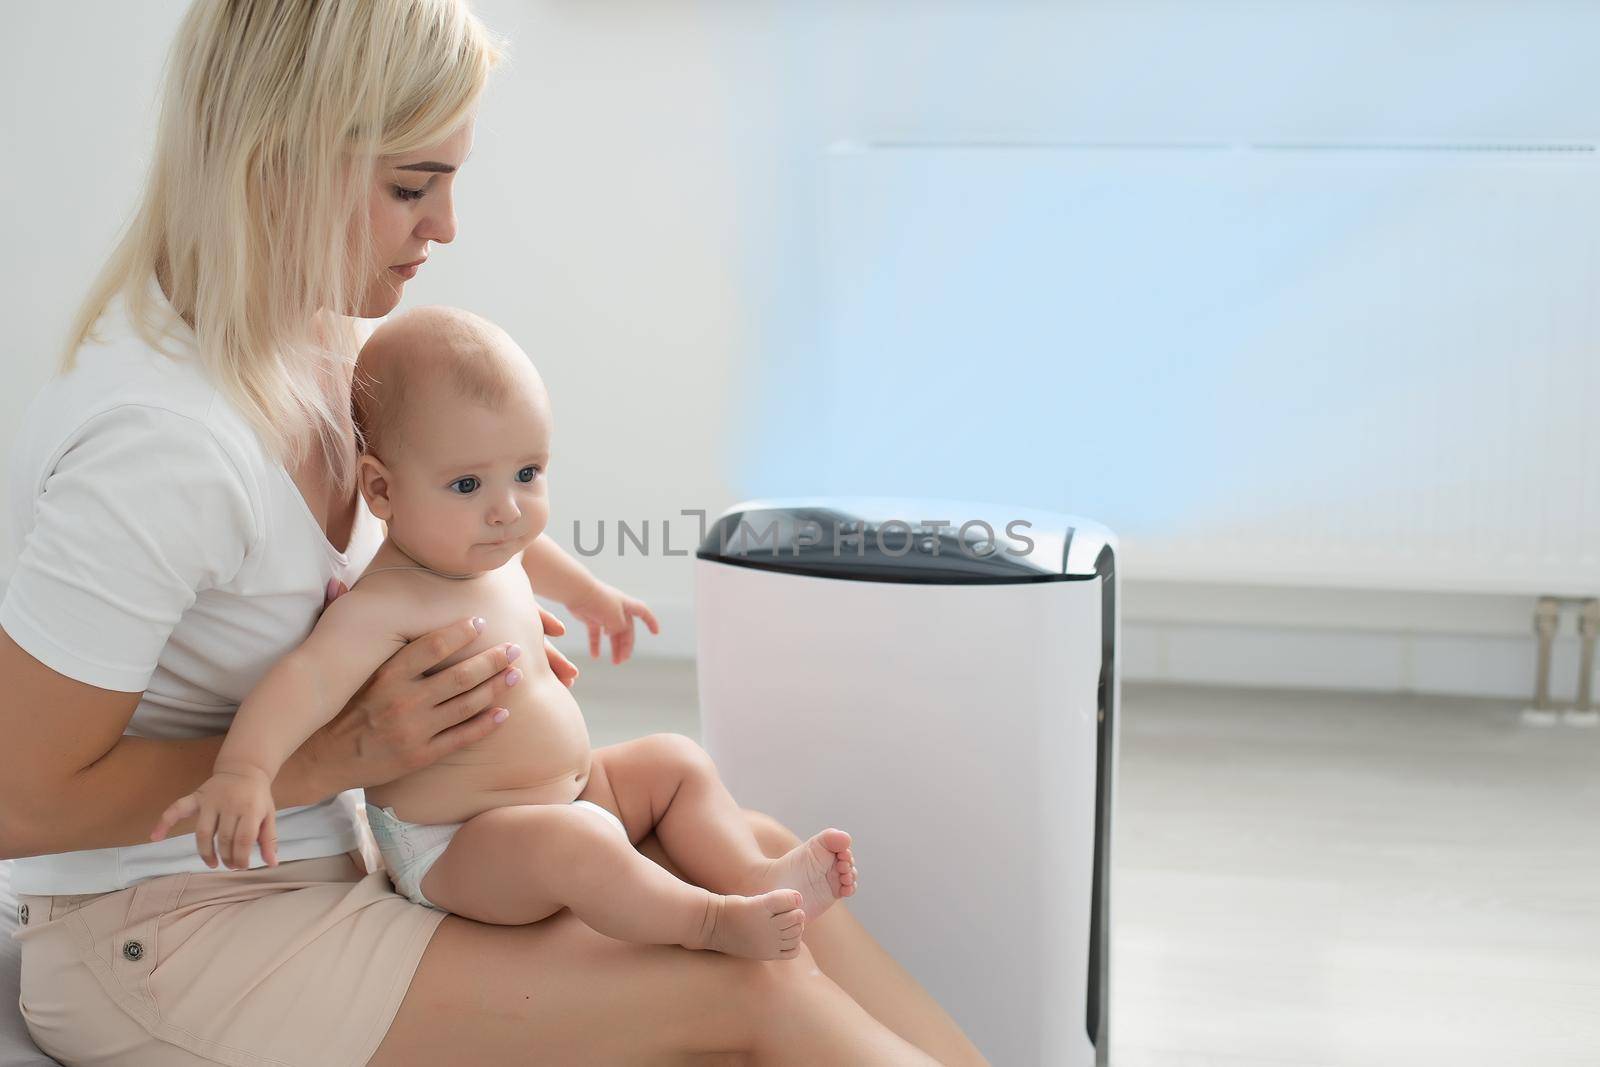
(457, 431)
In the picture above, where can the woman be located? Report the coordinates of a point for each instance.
(185, 498)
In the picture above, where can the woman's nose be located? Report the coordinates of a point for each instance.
(439, 224)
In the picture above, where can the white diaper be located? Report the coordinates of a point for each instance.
(410, 849)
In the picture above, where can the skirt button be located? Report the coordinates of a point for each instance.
(132, 950)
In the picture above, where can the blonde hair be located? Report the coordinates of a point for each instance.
(429, 347)
(274, 116)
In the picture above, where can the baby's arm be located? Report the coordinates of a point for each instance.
(302, 692)
(605, 610)
(309, 686)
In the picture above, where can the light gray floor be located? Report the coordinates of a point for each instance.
(1321, 878)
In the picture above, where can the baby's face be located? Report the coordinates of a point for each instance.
(466, 488)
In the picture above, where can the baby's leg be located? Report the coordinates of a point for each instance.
(521, 863)
(668, 783)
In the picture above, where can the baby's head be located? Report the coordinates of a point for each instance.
(456, 430)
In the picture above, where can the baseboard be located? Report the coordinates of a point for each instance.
(1444, 664)
(1457, 644)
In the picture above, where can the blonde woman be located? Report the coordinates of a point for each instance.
(185, 501)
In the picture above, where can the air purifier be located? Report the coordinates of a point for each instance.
(939, 679)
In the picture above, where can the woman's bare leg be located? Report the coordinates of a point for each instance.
(558, 992)
(846, 953)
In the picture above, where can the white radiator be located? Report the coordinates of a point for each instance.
(1352, 365)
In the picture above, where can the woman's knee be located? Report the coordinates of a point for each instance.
(781, 996)
(772, 985)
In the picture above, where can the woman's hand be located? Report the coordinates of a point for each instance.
(607, 610)
(235, 806)
(565, 670)
(405, 718)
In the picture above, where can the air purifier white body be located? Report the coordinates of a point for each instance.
(960, 724)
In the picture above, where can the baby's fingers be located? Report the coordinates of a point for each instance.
(269, 839)
(226, 824)
(205, 829)
(176, 812)
(639, 611)
(245, 832)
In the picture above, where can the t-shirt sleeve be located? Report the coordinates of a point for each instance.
(141, 513)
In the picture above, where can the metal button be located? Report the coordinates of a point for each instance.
(132, 950)
(22, 914)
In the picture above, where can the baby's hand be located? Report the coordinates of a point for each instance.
(609, 611)
(235, 806)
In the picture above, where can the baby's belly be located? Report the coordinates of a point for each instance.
(540, 755)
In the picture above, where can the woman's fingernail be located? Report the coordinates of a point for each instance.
(478, 624)
(513, 677)
(512, 652)
(501, 715)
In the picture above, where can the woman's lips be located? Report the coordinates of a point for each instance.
(409, 270)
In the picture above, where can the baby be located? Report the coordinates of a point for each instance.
(528, 820)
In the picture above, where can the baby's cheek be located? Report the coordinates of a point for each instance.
(539, 510)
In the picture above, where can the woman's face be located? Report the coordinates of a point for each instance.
(412, 204)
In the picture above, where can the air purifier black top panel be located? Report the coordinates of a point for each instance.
(904, 540)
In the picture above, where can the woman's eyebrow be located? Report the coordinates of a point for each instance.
(429, 165)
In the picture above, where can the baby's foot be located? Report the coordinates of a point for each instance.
(823, 869)
(765, 927)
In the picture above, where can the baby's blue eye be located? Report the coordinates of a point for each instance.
(465, 486)
(527, 474)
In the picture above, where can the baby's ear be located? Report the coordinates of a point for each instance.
(373, 478)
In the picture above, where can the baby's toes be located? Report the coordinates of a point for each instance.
(834, 840)
(839, 877)
(790, 936)
(842, 879)
(784, 904)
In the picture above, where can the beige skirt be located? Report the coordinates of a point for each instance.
(299, 965)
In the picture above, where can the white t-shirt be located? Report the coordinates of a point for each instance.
(161, 549)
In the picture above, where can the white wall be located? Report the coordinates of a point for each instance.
(81, 80)
(639, 207)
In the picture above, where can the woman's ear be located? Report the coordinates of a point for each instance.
(373, 478)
